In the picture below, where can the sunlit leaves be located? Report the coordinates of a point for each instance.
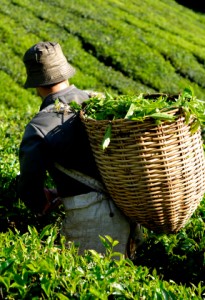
(39, 266)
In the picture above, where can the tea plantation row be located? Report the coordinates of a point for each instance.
(123, 47)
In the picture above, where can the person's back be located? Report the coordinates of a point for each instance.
(57, 136)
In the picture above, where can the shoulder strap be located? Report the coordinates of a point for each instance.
(83, 178)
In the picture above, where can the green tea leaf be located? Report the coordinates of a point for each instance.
(46, 285)
(107, 137)
(75, 106)
(195, 126)
(188, 92)
(162, 116)
(18, 279)
(45, 231)
(6, 265)
(61, 296)
(5, 281)
(130, 111)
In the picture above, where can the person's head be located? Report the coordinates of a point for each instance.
(46, 65)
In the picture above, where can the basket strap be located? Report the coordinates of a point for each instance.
(83, 178)
(87, 180)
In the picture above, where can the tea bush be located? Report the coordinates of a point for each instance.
(39, 266)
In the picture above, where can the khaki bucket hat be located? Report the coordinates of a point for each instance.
(46, 64)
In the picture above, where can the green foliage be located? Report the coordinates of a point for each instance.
(118, 46)
(40, 266)
(138, 108)
(141, 107)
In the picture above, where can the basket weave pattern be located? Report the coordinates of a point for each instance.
(154, 173)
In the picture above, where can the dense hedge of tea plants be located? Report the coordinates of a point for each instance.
(149, 46)
(123, 48)
(37, 265)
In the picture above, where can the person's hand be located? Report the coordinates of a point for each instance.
(53, 201)
(50, 194)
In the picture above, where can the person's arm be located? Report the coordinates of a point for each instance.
(32, 169)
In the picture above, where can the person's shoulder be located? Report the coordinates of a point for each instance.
(45, 119)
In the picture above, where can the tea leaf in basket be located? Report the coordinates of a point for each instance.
(107, 137)
(135, 113)
(162, 116)
(187, 114)
(130, 111)
(188, 92)
(195, 126)
(140, 107)
(75, 106)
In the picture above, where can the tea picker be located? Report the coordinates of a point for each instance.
(55, 142)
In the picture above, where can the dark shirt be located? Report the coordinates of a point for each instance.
(55, 137)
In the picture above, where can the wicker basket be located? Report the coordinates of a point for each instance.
(155, 174)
